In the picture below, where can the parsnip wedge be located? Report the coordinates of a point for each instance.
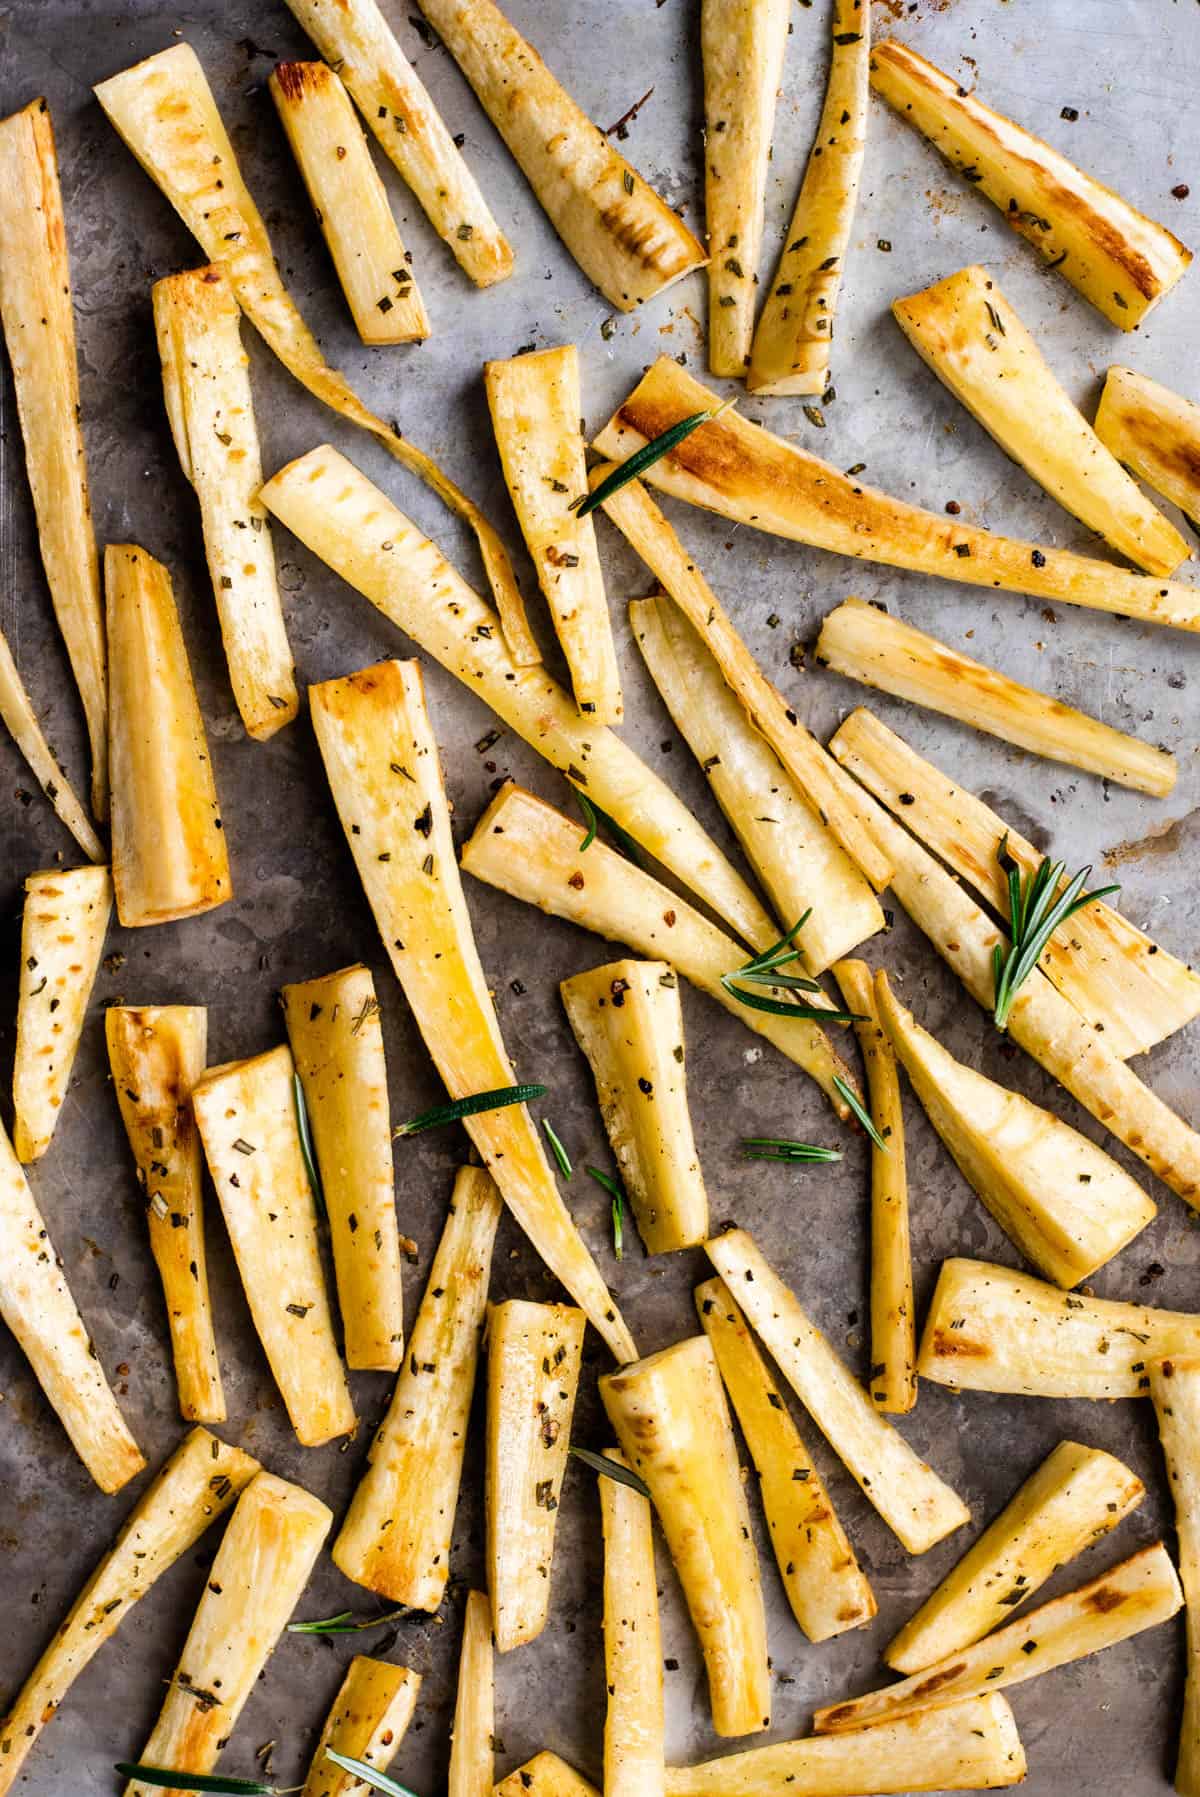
(744, 473)
(792, 342)
(966, 331)
(206, 385)
(1175, 1389)
(164, 111)
(200, 1480)
(545, 1775)
(38, 320)
(246, 1114)
(349, 523)
(881, 650)
(536, 408)
(471, 1768)
(800, 863)
(672, 1421)
(524, 847)
(63, 928)
(628, 1021)
(21, 721)
(170, 858)
(1076, 1495)
(1138, 1594)
(396, 1536)
(1154, 432)
(826, 1587)
(368, 1721)
(916, 1505)
(741, 44)
(382, 764)
(627, 240)
(36, 1304)
(634, 1729)
(336, 1035)
(893, 1378)
(1112, 254)
(156, 1053)
(971, 1746)
(261, 1569)
(534, 1353)
(350, 202)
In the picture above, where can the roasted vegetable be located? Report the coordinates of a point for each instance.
(545, 1775)
(471, 1770)
(62, 939)
(1156, 433)
(1175, 1389)
(368, 1721)
(634, 1728)
(20, 720)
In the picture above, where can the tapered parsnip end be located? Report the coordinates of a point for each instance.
(471, 1770)
(534, 1353)
(880, 650)
(1077, 1495)
(1155, 433)
(62, 939)
(1175, 1389)
(156, 1055)
(20, 720)
(825, 1586)
(38, 319)
(246, 1115)
(672, 1421)
(628, 1021)
(634, 1753)
(535, 405)
(336, 1035)
(368, 1721)
(545, 1775)
(396, 1536)
(1112, 254)
(909, 1496)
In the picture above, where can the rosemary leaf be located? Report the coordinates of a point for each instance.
(454, 1112)
(590, 818)
(617, 1193)
(758, 970)
(781, 1007)
(646, 456)
(306, 1142)
(557, 1150)
(610, 1469)
(346, 1623)
(594, 817)
(370, 1775)
(194, 1781)
(847, 1092)
(1036, 911)
(780, 1148)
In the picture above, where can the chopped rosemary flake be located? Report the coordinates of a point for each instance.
(851, 1097)
(557, 1150)
(762, 970)
(610, 1469)
(780, 1148)
(306, 1142)
(646, 456)
(1035, 912)
(346, 1623)
(194, 1781)
(442, 1114)
(370, 1775)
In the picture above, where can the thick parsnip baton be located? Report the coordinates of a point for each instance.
(381, 761)
(825, 1585)
(545, 1775)
(396, 1536)
(257, 1578)
(534, 1355)
(200, 1481)
(471, 1744)
(156, 1054)
(634, 1729)
(21, 721)
(1117, 258)
(62, 939)
(336, 1034)
(368, 1721)
(1175, 1389)
(628, 1021)
(246, 1114)
(1154, 432)
(916, 1505)
(673, 1424)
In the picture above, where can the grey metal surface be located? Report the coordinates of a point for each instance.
(1130, 69)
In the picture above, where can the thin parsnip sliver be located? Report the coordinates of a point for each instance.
(63, 929)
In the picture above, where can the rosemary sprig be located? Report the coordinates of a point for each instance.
(306, 1142)
(370, 1775)
(610, 1469)
(195, 1781)
(851, 1097)
(646, 456)
(763, 970)
(557, 1150)
(594, 817)
(1034, 913)
(617, 1194)
(780, 1148)
(346, 1623)
(441, 1114)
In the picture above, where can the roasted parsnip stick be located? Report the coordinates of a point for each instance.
(246, 1114)
(368, 1721)
(628, 1021)
(742, 44)
(471, 1768)
(745, 473)
(1117, 258)
(260, 1571)
(156, 1054)
(1156, 433)
(992, 1329)
(334, 1028)
(893, 1379)
(396, 1536)
(1076, 1495)
(790, 353)
(349, 523)
(200, 1480)
(536, 410)
(623, 236)
(883, 651)
(381, 760)
(62, 939)
(20, 720)
(634, 1730)
(524, 847)
(916, 1505)
(545, 1775)
(206, 385)
(825, 1585)
(672, 1422)
(800, 863)
(351, 203)
(1175, 1389)
(534, 1355)
(39, 328)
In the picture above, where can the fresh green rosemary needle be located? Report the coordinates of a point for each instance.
(763, 970)
(646, 456)
(617, 1193)
(370, 1775)
(594, 818)
(846, 1091)
(557, 1150)
(169, 1780)
(346, 1623)
(306, 1142)
(610, 1469)
(454, 1112)
(780, 1148)
(1035, 912)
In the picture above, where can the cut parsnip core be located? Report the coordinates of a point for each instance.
(1155, 433)
(63, 928)
(471, 1768)
(634, 1727)
(1175, 1389)
(21, 721)
(368, 1721)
